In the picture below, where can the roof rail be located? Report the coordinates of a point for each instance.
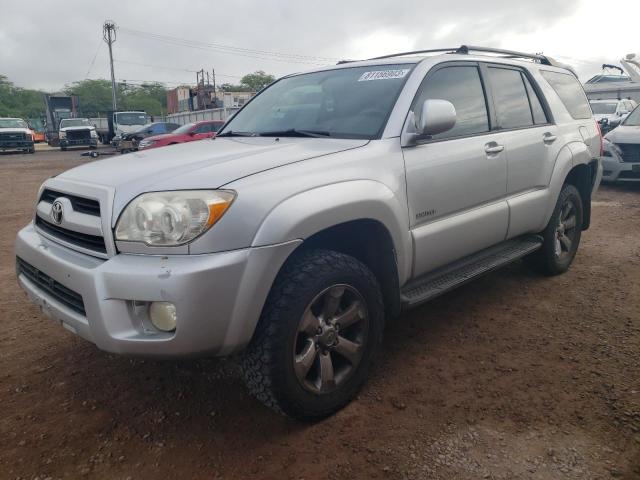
(465, 49)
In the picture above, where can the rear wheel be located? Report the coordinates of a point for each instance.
(315, 339)
(561, 236)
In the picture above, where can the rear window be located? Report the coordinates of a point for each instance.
(601, 108)
(512, 100)
(570, 92)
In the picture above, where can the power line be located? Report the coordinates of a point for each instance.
(95, 55)
(155, 66)
(172, 68)
(231, 50)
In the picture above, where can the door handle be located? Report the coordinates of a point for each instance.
(549, 138)
(492, 148)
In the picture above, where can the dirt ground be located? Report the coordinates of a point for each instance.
(511, 376)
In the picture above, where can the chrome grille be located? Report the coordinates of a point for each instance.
(80, 204)
(90, 242)
(630, 152)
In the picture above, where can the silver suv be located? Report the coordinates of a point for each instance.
(333, 200)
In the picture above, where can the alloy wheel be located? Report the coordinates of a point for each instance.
(330, 339)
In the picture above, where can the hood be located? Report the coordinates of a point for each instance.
(128, 128)
(163, 136)
(79, 127)
(16, 130)
(199, 165)
(624, 134)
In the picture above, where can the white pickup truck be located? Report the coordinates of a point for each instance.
(77, 132)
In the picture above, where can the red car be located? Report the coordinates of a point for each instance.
(185, 133)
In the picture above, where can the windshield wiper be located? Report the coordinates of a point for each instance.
(231, 133)
(294, 132)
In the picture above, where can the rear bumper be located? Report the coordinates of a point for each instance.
(218, 297)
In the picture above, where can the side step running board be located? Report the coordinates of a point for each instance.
(462, 271)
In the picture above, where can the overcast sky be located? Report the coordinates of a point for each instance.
(50, 43)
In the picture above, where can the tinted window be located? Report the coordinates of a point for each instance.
(539, 117)
(205, 128)
(511, 100)
(570, 92)
(601, 108)
(462, 87)
(633, 120)
(352, 102)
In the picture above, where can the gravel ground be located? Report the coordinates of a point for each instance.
(511, 376)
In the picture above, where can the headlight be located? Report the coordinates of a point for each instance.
(172, 218)
(63, 135)
(94, 134)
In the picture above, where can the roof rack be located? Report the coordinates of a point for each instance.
(465, 49)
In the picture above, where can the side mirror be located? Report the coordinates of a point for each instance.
(437, 116)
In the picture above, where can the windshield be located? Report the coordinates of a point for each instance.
(633, 120)
(12, 123)
(344, 103)
(184, 129)
(74, 122)
(132, 118)
(603, 108)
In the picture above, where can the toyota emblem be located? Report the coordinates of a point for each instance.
(56, 212)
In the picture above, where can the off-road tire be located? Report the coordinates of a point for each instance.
(267, 364)
(545, 260)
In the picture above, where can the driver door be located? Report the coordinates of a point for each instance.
(456, 180)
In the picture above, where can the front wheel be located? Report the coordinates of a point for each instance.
(561, 236)
(316, 337)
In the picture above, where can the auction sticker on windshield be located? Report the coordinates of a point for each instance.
(383, 75)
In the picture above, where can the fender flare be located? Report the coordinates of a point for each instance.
(307, 213)
(571, 155)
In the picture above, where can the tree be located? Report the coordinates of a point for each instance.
(252, 82)
(19, 102)
(256, 81)
(94, 96)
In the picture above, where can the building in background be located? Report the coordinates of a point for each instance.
(179, 99)
(234, 99)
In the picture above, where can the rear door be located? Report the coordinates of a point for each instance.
(530, 140)
(456, 180)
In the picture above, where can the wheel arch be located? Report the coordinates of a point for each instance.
(576, 166)
(361, 218)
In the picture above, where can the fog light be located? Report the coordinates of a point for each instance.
(163, 316)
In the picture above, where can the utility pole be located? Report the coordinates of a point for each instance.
(109, 35)
(215, 95)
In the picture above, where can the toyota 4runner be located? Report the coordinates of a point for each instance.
(333, 200)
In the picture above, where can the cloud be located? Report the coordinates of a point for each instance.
(51, 44)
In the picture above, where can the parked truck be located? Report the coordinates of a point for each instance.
(77, 132)
(119, 123)
(58, 107)
(102, 128)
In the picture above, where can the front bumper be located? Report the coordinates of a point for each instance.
(218, 297)
(83, 142)
(16, 145)
(616, 170)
